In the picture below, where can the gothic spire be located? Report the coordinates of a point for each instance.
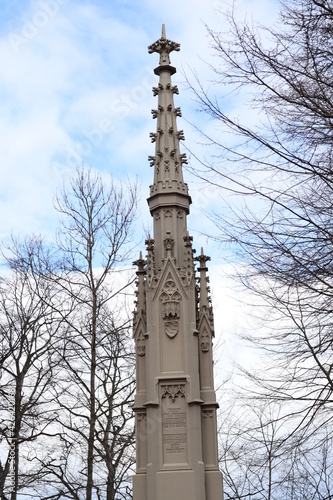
(175, 402)
(168, 160)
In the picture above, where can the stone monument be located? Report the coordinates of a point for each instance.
(175, 403)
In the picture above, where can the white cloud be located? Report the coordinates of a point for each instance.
(76, 87)
(76, 81)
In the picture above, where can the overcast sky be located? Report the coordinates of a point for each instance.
(75, 87)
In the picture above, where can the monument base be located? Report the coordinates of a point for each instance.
(213, 485)
(180, 485)
(140, 487)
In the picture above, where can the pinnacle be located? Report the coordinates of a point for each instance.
(169, 200)
(168, 160)
(202, 259)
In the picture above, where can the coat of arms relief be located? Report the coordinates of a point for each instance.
(170, 298)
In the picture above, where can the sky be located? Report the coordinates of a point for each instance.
(75, 88)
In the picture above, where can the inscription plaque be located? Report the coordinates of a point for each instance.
(174, 430)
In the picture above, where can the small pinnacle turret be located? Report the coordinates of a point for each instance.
(204, 280)
(140, 293)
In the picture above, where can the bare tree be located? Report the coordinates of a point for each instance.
(29, 330)
(258, 463)
(67, 355)
(97, 381)
(250, 444)
(280, 219)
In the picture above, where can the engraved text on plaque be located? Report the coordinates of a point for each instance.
(174, 424)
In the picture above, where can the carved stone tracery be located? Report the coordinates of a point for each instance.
(142, 416)
(207, 413)
(141, 348)
(205, 341)
(173, 391)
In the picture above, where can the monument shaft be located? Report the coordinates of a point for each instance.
(175, 404)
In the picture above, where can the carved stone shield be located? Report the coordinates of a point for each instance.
(171, 328)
